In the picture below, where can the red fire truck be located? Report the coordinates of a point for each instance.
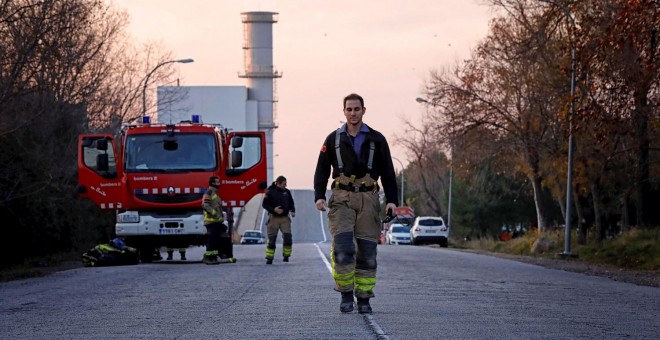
(402, 215)
(154, 176)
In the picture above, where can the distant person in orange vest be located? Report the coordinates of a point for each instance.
(278, 201)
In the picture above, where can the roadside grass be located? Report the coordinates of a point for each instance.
(637, 249)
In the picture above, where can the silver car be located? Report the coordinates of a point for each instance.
(253, 237)
(429, 229)
(398, 234)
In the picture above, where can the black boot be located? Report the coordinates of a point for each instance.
(285, 259)
(346, 305)
(363, 306)
(269, 261)
(210, 259)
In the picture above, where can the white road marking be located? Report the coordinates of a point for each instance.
(369, 318)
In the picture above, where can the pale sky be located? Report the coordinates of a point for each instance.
(383, 50)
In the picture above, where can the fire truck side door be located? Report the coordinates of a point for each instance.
(245, 168)
(98, 177)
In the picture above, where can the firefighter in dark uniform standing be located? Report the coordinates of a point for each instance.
(356, 156)
(278, 201)
(215, 228)
(227, 239)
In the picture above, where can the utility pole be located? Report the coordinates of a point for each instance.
(569, 176)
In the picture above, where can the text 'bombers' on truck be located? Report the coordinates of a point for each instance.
(154, 176)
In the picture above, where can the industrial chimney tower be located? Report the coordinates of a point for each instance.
(260, 73)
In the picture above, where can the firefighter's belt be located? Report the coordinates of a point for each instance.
(355, 188)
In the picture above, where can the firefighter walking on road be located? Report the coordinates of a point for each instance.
(356, 156)
(278, 201)
(213, 221)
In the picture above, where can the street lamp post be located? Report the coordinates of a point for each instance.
(451, 167)
(146, 80)
(401, 203)
(451, 179)
(569, 176)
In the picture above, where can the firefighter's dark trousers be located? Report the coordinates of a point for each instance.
(219, 241)
(275, 225)
(355, 228)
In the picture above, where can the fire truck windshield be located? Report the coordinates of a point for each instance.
(191, 152)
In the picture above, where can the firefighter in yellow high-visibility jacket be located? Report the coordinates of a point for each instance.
(213, 221)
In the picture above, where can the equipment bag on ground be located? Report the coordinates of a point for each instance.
(114, 253)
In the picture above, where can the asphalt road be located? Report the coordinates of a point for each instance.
(422, 293)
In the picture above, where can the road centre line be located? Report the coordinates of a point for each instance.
(369, 318)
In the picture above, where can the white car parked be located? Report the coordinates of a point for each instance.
(398, 234)
(429, 229)
(253, 237)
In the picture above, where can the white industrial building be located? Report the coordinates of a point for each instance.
(237, 108)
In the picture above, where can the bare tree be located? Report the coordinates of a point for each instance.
(506, 89)
(621, 49)
(65, 65)
(428, 168)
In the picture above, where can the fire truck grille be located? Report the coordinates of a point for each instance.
(157, 198)
(172, 225)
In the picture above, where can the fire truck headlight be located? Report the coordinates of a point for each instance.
(128, 217)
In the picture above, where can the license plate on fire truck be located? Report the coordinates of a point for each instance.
(170, 231)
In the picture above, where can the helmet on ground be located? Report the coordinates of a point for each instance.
(118, 243)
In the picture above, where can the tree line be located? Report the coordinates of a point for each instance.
(502, 119)
(66, 67)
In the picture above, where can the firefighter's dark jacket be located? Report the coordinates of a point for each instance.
(382, 163)
(277, 197)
